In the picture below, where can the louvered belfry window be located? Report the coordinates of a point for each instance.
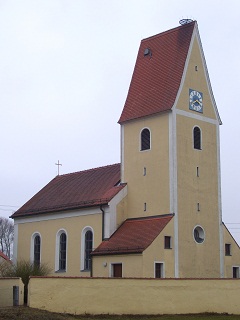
(197, 143)
(145, 139)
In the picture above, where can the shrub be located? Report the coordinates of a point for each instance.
(24, 269)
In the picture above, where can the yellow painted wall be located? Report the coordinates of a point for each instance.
(132, 265)
(140, 265)
(48, 230)
(196, 80)
(153, 188)
(193, 190)
(197, 260)
(157, 253)
(6, 291)
(234, 259)
(134, 296)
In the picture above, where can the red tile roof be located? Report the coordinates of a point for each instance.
(4, 256)
(75, 190)
(157, 76)
(133, 236)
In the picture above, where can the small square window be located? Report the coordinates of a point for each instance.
(167, 242)
(227, 249)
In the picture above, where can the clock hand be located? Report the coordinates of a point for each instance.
(196, 101)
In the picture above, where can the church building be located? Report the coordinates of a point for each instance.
(158, 212)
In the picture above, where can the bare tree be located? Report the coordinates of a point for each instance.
(6, 236)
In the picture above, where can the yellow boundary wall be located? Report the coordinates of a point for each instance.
(6, 291)
(134, 296)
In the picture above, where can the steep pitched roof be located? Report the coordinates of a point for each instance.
(157, 75)
(75, 190)
(133, 236)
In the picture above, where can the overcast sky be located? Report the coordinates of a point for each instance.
(65, 69)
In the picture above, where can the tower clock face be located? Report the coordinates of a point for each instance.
(195, 100)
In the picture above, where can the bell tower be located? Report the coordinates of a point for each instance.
(170, 147)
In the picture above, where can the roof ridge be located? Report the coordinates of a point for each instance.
(169, 31)
(75, 190)
(87, 170)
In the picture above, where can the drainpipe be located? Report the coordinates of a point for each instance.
(91, 267)
(103, 222)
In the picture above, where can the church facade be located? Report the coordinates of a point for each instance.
(158, 212)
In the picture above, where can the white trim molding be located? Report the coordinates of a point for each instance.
(57, 248)
(82, 255)
(15, 243)
(34, 235)
(162, 271)
(111, 264)
(173, 185)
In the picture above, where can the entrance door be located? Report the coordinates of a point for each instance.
(117, 270)
(158, 270)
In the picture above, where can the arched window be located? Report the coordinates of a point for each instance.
(87, 240)
(145, 139)
(197, 139)
(35, 254)
(88, 249)
(37, 250)
(61, 251)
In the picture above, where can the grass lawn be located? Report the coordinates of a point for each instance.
(25, 313)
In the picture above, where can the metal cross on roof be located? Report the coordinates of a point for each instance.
(58, 164)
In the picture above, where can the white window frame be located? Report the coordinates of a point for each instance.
(163, 269)
(34, 235)
(204, 234)
(111, 268)
(238, 275)
(82, 255)
(58, 234)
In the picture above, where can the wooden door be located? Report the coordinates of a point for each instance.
(117, 270)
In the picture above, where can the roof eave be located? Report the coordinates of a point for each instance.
(146, 116)
(114, 253)
(32, 213)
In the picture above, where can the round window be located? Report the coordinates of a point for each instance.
(198, 234)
